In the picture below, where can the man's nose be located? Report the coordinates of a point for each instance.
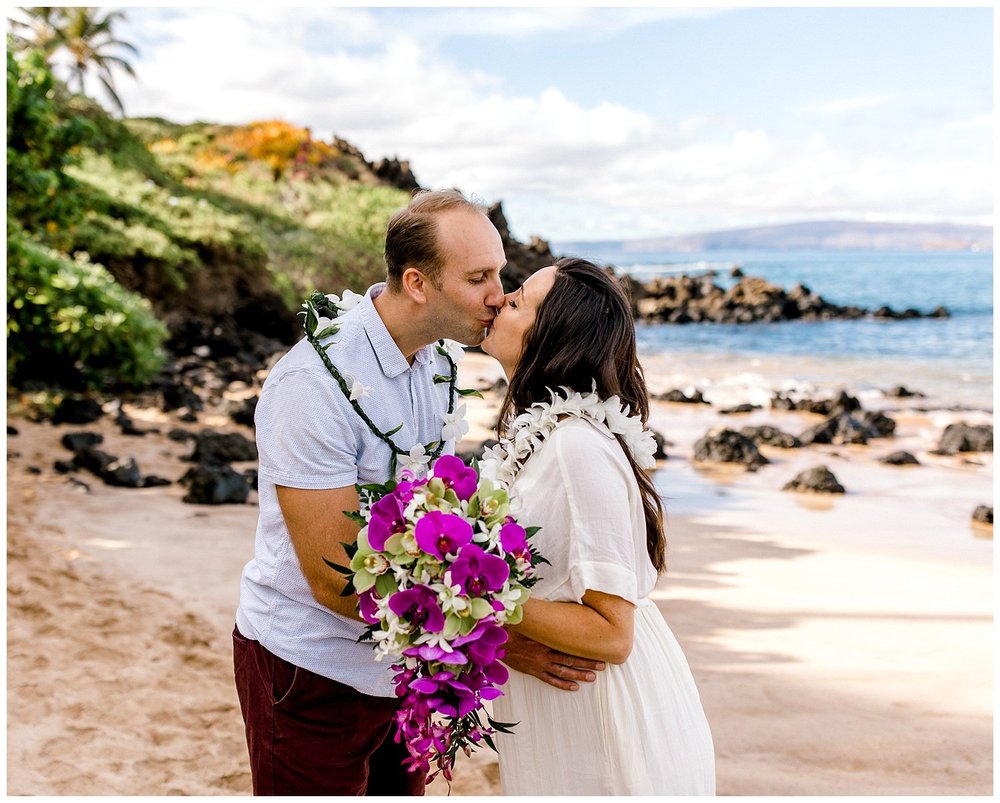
(495, 297)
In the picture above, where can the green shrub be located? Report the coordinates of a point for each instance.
(41, 142)
(71, 324)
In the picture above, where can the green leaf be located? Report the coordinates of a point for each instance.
(489, 743)
(503, 727)
(530, 531)
(469, 392)
(392, 432)
(338, 567)
(330, 331)
(440, 379)
(350, 549)
(356, 517)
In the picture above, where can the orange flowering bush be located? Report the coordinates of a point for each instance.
(280, 145)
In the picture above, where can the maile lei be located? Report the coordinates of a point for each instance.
(322, 314)
(501, 462)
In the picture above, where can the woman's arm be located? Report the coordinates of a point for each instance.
(599, 628)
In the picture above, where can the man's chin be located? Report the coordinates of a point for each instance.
(475, 339)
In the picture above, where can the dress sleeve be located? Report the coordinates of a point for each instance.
(304, 435)
(600, 526)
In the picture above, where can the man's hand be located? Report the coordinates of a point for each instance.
(551, 666)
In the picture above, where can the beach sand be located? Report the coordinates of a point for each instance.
(842, 646)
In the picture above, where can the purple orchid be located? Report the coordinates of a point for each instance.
(488, 647)
(386, 519)
(432, 652)
(418, 606)
(478, 572)
(512, 536)
(367, 606)
(439, 533)
(456, 475)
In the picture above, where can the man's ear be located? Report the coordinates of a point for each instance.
(415, 285)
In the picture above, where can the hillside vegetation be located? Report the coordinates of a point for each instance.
(123, 235)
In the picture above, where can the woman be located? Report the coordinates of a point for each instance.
(576, 471)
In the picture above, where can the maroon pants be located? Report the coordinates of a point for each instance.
(309, 735)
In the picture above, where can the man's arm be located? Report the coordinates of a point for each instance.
(317, 526)
(550, 666)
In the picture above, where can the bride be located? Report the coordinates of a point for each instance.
(575, 453)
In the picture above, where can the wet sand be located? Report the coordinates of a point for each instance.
(842, 646)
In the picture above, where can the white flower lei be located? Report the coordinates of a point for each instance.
(501, 462)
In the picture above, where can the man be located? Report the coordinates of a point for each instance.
(318, 709)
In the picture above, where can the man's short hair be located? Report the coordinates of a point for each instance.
(411, 239)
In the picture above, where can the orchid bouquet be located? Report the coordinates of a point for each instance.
(439, 567)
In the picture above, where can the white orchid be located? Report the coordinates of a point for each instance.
(455, 425)
(349, 300)
(323, 323)
(455, 349)
(416, 461)
(359, 390)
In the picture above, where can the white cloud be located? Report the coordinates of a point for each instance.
(564, 169)
(840, 106)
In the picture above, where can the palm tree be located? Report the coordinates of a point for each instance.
(86, 36)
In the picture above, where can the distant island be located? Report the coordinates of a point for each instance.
(827, 234)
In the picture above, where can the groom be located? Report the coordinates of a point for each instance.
(318, 709)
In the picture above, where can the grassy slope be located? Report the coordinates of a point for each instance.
(167, 201)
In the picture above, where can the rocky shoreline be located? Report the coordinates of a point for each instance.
(699, 299)
(222, 388)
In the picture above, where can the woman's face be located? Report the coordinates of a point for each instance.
(505, 339)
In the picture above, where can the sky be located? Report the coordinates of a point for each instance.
(600, 123)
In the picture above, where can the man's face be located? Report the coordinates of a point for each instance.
(465, 302)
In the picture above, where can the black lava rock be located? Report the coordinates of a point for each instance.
(11, 430)
(152, 481)
(78, 441)
(966, 438)
(729, 446)
(900, 459)
(680, 397)
(123, 473)
(181, 435)
(93, 460)
(127, 425)
(900, 392)
(243, 414)
(661, 446)
(740, 408)
(77, 410)
(816, 480)
(983, 513)
(215, 485)
(771, 436)
(222, 447)
(176, 396)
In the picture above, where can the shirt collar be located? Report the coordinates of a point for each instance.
(390, 358)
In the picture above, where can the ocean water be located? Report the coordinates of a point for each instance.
(951, 359)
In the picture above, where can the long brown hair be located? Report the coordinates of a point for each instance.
(584, 333)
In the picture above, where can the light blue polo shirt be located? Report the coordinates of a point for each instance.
(309, 436)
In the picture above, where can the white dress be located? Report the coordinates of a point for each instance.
(640, 728)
